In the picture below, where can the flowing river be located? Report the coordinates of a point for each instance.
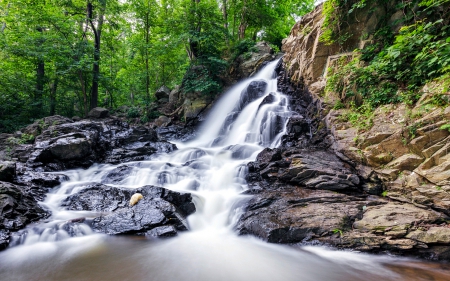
(212, 167)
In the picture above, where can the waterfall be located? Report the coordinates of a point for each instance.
(252, 115)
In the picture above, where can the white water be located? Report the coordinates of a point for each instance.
(211, 167)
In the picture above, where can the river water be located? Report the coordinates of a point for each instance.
(250, 116)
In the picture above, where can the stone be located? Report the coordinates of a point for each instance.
(394, 217)
(17, 209)
(98, 113)
(406, 162)
(434, 235)
(174, 96)
(162, 93)
(70, 148)
(163, 121)
(158, 207)
(298, 215)
(7, 171)
(254, 90)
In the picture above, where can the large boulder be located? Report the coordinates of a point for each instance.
(298, 215)
(7, 171)
(160, 212)
(254, 91)
(248, 64)
(163, 93)
(98, 112)
(17, 209)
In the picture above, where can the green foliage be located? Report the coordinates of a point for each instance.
(242, 47)
(143, 46)
(445, 127)
(133, 112)
(338, 231)
(360, 117)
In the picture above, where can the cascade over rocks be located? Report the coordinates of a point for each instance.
(159, 213)
(60, 144)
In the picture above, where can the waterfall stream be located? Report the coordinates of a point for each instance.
(250, 116)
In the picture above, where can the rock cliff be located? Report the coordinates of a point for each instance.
(384, 186)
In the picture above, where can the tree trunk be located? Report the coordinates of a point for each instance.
(40, 80)
(147, 69)
(53, 89)
(225, 14)
(97, 31)
(243, 24)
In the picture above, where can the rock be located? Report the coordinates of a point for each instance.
(254, 90)
(435, 235)
(163, 121)
(135, 199)
(174, 96)
(7, 171)
(406, 162)
(159, 207)
(394, 217)
(80, 144)
(17, 209)
(162, 231)
(245, 66)
(98, 112)
(117, 175)
(43, 124)
(70, 148)
(162, 93)
(298, 215)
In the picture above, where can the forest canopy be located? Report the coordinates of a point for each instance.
(68, 56)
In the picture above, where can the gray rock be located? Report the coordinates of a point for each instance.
(158, 208)
(7, 171)
(17, 209)
(163, 93)
(98, 112)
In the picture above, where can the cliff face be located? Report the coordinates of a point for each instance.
(307, 58)
(403, 146)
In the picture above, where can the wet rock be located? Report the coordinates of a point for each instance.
(176, 132)
(162, 231)
(117, 175)
(298, 215)
(41, 125)
(159, 207)
(254, 90)
(7, 171)
(17, 209)
(434, 235)
(270, 98)
(297, 126)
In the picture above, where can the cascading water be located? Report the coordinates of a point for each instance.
(251, 116)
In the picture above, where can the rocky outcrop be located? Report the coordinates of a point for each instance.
(18, 208)
(246, 65)
(390, 174)
(307, 57)
(82, 143)
(160, 212)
